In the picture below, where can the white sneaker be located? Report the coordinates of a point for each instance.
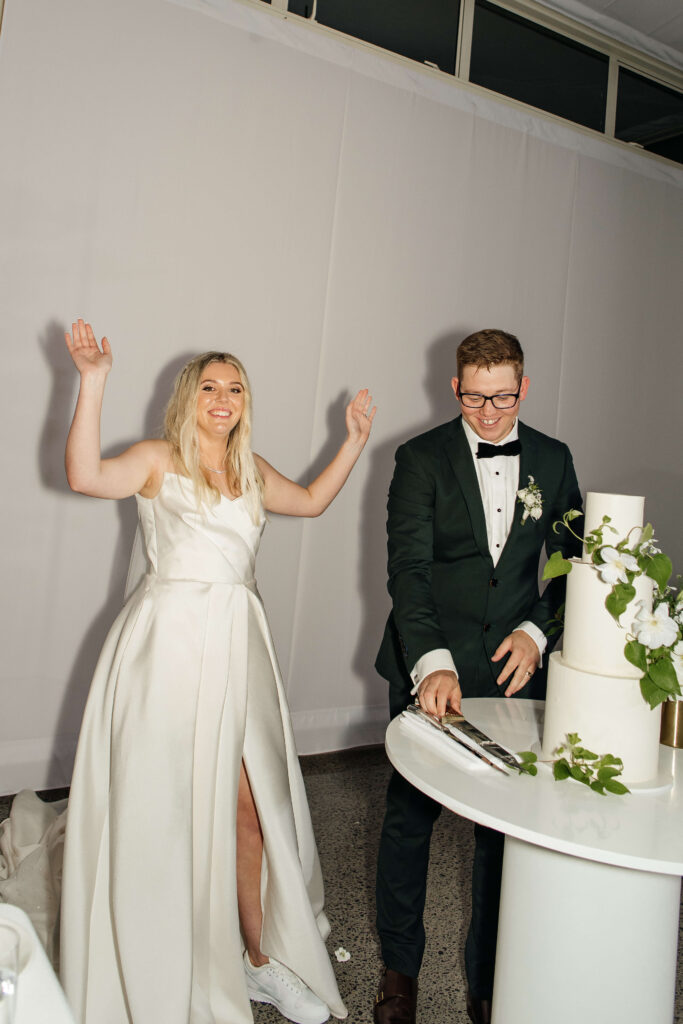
(276, 984)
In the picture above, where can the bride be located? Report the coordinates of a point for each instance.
(191, 879)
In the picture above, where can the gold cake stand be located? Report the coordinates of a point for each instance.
(672, 723)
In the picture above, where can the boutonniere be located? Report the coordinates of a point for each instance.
(531, 498)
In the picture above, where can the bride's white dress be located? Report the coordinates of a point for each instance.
(187, 686)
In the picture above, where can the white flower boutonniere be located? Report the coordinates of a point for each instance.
(531, 498)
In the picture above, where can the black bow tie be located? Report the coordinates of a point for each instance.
(490, 451)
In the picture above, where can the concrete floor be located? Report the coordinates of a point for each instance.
(346, 796)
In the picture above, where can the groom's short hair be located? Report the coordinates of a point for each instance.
(490, 348)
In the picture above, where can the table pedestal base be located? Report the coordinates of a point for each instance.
(581, 940)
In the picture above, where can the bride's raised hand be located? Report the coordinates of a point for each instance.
(85, 352)
(359, 417)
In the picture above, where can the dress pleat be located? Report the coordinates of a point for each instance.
(186, 688)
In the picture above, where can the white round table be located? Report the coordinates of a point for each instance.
(40, 998)
(590, 899)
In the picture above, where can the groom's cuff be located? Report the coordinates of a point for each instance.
(537, 635)
(439, 660)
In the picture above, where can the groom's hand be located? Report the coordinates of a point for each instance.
(438, 691)
(522, 663)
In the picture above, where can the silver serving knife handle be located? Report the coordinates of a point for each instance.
(436, 723)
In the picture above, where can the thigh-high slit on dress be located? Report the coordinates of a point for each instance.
(187, 686)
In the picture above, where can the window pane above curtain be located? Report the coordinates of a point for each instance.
(527, 62)
(424, 30)
(650, 114)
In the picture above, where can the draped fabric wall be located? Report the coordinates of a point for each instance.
(208, 175)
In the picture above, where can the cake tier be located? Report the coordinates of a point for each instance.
(608, 713)
(625, 511)
(593, 641)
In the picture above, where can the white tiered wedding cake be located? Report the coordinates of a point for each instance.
(592, 689)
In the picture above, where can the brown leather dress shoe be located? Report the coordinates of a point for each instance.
(478, 1010)
(396, 999)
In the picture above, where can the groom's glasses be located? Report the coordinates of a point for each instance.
(471, 400)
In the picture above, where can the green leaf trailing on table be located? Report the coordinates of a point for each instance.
(527, 764)
(574, 761)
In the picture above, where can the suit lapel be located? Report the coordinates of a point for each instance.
(460, 458)
(527, 467)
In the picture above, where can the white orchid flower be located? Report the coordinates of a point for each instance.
(615, 566)
(654, 629)
(342, 955)
(677, 660)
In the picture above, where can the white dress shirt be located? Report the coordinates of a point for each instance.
(498, 484)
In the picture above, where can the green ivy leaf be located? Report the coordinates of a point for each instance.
(618, 599)
(557, 565)
(584, 755)
(612, 786)
(597, 787)
(651, 692)
(660, 569)
(572, 514)
(644, 562)
(647, 534)
(556, 624)
(573, 738)
(580, 774)
(605, 774)
(527, 756)
(611, 759)
(637, 654)
(663, 674)
(561, 769)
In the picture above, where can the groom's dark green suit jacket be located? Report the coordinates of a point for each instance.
(445, 589)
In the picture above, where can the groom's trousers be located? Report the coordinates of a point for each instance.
(402, 884)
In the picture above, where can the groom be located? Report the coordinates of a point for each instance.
(467, 621)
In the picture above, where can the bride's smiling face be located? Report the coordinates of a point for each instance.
(220, 401)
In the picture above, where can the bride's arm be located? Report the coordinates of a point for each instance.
(290, 499)
(86, 470)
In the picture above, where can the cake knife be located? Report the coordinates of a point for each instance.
(415, 709)
(458, 723)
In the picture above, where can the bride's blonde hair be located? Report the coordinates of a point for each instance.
(180, 430)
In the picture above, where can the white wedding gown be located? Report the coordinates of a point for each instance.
(187, 686)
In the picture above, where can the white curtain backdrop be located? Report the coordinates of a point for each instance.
(199, 176)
